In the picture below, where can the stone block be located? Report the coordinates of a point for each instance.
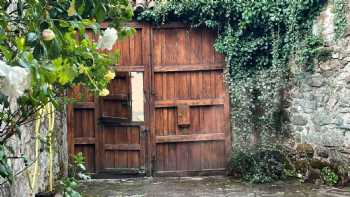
(322, 119)
(299, 120)
(316, 81)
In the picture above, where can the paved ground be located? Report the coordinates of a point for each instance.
(202, 187)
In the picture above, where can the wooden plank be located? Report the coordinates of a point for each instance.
(70, 131)
(186, 68)
(84, 105)
(133, 24)
(190, 102)
(122, 147)
(120, 97)
(84, 140)
(145, 154)
(185, 173)
(112, 120)
(164, 126)
(190, 138)
(172, 25)
(120, 171)
(136, 68)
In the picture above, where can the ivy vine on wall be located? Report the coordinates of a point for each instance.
(340, 22)
(268, 46)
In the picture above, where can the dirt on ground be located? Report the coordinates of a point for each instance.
(203, 187)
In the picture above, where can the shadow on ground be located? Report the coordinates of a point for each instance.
(203, 187)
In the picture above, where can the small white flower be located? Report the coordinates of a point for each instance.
(107, 41)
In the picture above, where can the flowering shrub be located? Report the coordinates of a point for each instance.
(47, 46)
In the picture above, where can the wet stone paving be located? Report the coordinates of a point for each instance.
(203, 186)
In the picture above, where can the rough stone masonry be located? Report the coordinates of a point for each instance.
(319, 106)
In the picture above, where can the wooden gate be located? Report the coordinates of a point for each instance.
(186, 110)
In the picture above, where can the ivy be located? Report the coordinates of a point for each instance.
(267, 44)
(340, 21)
(259, 39)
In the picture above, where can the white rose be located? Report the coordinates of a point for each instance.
(14, 80)
(107, 41)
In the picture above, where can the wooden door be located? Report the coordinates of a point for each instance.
(190, 109)
(186, 108)
(102, 127)
(121, 139)
(82, 126)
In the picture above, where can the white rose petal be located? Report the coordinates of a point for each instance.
(14, 80)
(107, 41)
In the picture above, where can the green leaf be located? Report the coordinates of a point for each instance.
(100, 12)
(20, 43)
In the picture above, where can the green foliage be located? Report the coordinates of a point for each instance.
(329, 177)
(340, 21)
(56, 61)
(266, 44)
(261, 164)
(5, 170)
(54, 40)
(68, 185)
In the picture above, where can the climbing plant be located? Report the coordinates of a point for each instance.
(340, 22)
(268, 45)
(53, 42)
(262, 42)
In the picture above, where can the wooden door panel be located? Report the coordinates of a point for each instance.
(189, 85)
(184, 46)
(82, 130)
(122, 142)
(190, 103)
(88, 150)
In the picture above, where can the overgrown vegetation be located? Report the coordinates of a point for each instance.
(262, 164)
(329, 177)
(77, 172)
(340, 22)
(268, 45)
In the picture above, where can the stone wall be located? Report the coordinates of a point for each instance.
(320, 104)
(25, 146)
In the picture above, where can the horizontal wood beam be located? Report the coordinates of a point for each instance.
(112, 120)
(184, 68)
(126, 147)
(136, 68)
(123, 124)
(204, 172)
(190, 102)
(108, 172)
(84, 140)
(171, 25)
(190, 138)
(120, 97)
(84, 105)
(133, 24)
